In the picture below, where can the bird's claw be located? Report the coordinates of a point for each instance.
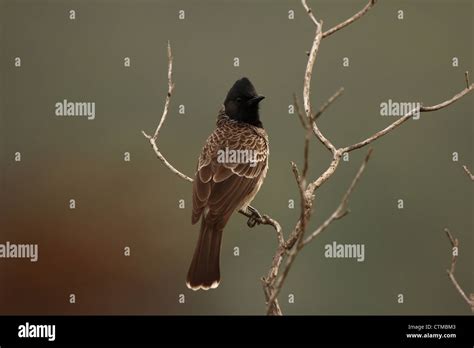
(251, 222)
(255, 217)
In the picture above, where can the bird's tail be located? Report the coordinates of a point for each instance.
(204, 271)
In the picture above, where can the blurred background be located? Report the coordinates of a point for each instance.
(136, 203)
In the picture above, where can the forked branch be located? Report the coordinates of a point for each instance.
(455, 252)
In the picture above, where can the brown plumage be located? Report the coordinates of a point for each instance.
(223, 186)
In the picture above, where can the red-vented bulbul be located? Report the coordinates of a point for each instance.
(224, 184)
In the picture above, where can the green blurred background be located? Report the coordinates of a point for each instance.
(136, 203)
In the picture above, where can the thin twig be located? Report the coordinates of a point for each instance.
(328, 103)
(308, 75)
(298, 179)
(310, 13)
(455, 245)
(350, 20)
(279, 282)
(341, 210)
(307, 90)
(306, 125)
(154, 138)
(406, 117)
(165, 161)
(265, 220)
(455, 253)
(168, 96)
(313, 186)
(468, 172)
(454, 99)
(301, 116)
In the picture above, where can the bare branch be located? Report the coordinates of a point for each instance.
(268, 281)
(306, 125)
(350, 20)
(306, 154)
(301, 116)
(328, 103)
(279, 282)
(310, 13)
(308, 75)
(345, 199)
(310, 123)
(466, 76)
(265, 220)
(461, 291)
(154, 138)
(468, 172)
(298, 178)
(454, 242)
(313, 186)
(406, 117)
(455, 253)
(449, 101)
(455, 246)
(164, 160)
(314, 126)
(168, 95)
(341, 210)
(274, 308)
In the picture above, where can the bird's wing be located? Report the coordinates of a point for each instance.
(223, 187)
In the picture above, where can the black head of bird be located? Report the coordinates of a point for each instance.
(242, 102)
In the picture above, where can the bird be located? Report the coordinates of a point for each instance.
(224, 184)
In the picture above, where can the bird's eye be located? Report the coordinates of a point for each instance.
(239, 100)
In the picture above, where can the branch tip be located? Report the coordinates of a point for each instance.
(468, 172)
(350, 20)
(455, 243)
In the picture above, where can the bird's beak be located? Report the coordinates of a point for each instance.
(256, 100)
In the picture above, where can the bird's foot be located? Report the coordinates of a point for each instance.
(255, 216)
